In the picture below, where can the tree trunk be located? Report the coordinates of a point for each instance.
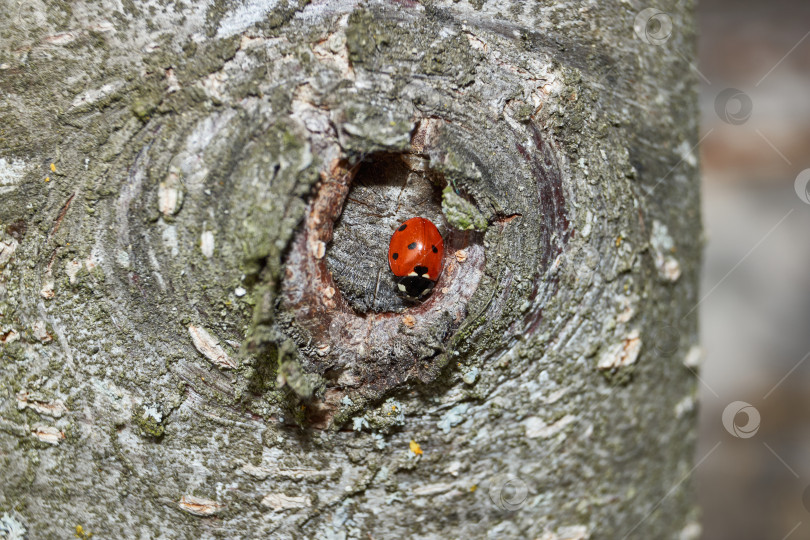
(200, 333)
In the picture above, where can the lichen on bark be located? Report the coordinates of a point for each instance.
(159, 164)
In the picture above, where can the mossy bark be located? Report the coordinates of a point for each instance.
(193, 338)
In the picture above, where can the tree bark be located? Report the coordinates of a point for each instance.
(200, 334)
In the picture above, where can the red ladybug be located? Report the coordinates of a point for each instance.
(415, 257)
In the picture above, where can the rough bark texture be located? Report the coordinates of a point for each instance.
(194, 342)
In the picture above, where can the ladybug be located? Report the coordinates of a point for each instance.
(415, 256)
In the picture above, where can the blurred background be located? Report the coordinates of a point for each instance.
(753, 462)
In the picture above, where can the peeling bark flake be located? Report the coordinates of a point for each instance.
(48, 434)
(40, 331)
(197, 506)
(209, 347)
(50, 408)
(207, 244)
(278, 502)
(9, 337)
(7, 249)
(537, 428)
(432, 489)
(622, 354)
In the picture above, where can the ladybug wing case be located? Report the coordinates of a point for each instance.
(415, 257)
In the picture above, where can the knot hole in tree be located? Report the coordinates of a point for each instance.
(387, 189)
(339, 297)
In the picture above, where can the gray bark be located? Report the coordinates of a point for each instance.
(199, 334)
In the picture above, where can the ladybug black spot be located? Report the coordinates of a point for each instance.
(421, 270)
(435, 250)
(412, 245)
(402, 228)
(395, 256)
